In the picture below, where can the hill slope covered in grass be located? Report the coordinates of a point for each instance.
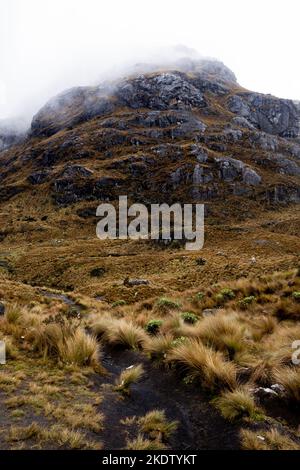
(210, 333)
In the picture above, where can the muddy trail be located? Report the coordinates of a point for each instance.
(199, 425)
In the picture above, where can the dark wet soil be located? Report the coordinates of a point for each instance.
(200, 427)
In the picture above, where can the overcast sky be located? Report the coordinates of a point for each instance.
(48, 45)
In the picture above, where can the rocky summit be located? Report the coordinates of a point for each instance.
(189, 133)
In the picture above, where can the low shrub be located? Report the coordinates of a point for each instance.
(153, 326)
(189, 317)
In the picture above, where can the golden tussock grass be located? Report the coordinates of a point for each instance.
(237, 404)
(141, 443)
(205, 364)
(120, 333)
(60, 435)
(267, 440)
(84, 416)
(289, 378)
(223, 331)
(128, 377)
(66, 343)
(156, 425)
(158, 346)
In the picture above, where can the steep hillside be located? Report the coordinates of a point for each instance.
(86, 322)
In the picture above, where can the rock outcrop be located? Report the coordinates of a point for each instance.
(189, 132)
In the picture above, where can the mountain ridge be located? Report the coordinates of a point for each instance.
(190, 134)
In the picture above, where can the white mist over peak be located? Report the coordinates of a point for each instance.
(48, 46)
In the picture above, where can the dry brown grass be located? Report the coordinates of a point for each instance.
(140, 443)
(267, 440)
(128, 377)
(238, 404)
(158, 346)
(71, 345)
(224, 332)
(289, 378)
(156, 425)
(120, 333)
(80, 416)
(57, 434)
(205, 364)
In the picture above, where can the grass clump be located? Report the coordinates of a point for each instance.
(156, 425)
(289, 378)
(199, 296)
(13, 314)
(158, 346)
(165, 304)
(60, 435)
(237, 404)
(125, 334)
(223, 332)
(205, 364)
(246, 301)
(128, 377)
(81, 349)
(153, 326)
(81, 415)
(140, 443)
(68, 344)
(269, 440)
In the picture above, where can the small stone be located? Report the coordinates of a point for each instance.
(278, 389)
(209, 311)
(265, 392)
(135, 282)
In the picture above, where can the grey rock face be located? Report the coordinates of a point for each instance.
(73, 171)
(283, 194)
(250, 177)
(162, 91)
(280, 164)
(217, 68)
(233, 135)
(239, 106)
(264, 141)
(70, 108)
(201, 175)
(267, 113)
(231, 169)
(199, 153)
(39, 177)
(243, 122)
(171, 151)
(191, 174)
(294, 150)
